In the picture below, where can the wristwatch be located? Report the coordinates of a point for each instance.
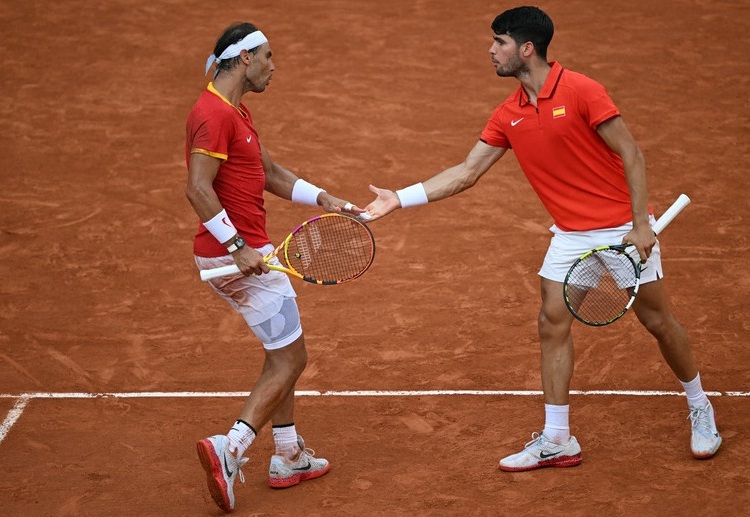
(237, 243)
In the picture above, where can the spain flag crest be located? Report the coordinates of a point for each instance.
(558, 112)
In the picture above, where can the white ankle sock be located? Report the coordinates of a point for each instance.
(694, 392)
(241, 435)
(556, 426)
(285, 439)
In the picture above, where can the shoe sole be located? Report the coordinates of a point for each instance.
(214, 477)
(561, 462)
(297, 478)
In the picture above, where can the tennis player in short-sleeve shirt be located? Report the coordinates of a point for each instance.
(229, 170)
(577, 153)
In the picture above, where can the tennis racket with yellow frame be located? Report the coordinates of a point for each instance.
(325, 250)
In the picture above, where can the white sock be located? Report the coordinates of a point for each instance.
(285, 439)
(694, 392)
(556, 427)
(241, 435)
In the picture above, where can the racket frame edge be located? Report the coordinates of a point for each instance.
(620, 248)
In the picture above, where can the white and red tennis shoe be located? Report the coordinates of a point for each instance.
(283, 473)
(222, 469)
(540, 452)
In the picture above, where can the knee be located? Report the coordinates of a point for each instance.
(301, 359)
(543, 323)
(289, 361)
(297, 359)
(660, 325)
(552, 326)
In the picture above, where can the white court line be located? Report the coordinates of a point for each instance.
(23, 399)
(366, 393)
(13, 415)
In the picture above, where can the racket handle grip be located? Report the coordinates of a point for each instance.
(208, 274)
(671, 213)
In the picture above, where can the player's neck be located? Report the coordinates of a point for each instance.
(231, 89)
(533, 81)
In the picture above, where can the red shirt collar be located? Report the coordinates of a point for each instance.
(549, 87)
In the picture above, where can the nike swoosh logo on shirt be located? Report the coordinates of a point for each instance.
(249, 138)
(514, 123)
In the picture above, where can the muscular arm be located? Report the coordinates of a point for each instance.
(280, 181)
(200, 191)
(202, 196)
(618, 137)
(445, 184)
(464, 175)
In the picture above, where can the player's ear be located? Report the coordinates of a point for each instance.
(246, 57)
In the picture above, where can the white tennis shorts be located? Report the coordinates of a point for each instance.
(257, 298)
(566, 247)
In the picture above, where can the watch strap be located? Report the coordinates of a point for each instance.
(237, 243)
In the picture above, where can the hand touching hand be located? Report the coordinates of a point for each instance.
(386, 202)
(334, 204)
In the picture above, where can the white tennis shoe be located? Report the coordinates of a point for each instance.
(222, 469)
(705, 439)
(540, 452)
(283, 473)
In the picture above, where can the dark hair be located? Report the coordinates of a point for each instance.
(526, 24)
(230, 36)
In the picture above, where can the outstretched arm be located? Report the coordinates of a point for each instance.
(445, 184)
(285, 184)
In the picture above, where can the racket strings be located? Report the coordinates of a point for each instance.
(331, 249)
(600, 286)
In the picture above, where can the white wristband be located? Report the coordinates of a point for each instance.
(221, 227)
(412, 196)
(305, 193)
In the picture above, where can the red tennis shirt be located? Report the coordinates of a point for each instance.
(578, 178)
(217, 128)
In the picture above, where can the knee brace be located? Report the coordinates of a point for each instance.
(281, 329)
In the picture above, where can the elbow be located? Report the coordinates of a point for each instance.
(634, 157)
(194, 193)
(465, 184)
(468, 179)
(640, 158)
(190, 194)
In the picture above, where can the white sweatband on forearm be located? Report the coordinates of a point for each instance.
(305, 193)
(412, 196)
(221, 227)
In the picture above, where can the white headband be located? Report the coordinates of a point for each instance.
(249, 42)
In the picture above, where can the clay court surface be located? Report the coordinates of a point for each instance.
(99, 295)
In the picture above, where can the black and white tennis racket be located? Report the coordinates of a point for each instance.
(325, 250)
(602, 284)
